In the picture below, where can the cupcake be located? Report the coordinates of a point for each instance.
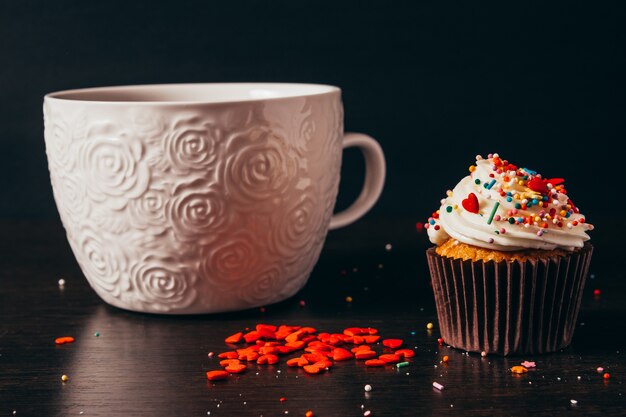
(510, 260)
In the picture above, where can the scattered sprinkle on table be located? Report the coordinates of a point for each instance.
(438, 386)
(63, 340)
(266, 343)
(368, 388)
(61, 283)
(429, 326)
(519, 369)
(528, 364)
(348, 299)
(217, 375)
(483, 354)
(64, 378)
(574, 402)
(97, 334)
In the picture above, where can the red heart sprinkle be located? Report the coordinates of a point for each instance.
(216, 375)
(392, 343)
(375, 362)
(340, 354)
(471, 203)
(538, 185)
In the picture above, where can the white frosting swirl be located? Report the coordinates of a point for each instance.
(516, 209)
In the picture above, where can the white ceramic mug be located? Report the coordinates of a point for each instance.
(201, 198)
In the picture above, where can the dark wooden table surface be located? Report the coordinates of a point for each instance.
(155, 365)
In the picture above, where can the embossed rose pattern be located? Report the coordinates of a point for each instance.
(191, 145)
(101, 261)
(148, 210)
(231, 260)
(58, 138)
(112, 166)
(163, 284)
(70, 195)
(179, 209)
(294, 231)
(196, 211)
(265, 288)
(258, 169)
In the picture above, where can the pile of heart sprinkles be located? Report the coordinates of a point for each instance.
(318, 351)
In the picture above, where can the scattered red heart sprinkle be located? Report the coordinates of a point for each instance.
(392, 343)
(216, 375)
(63, 340)
(266, 343)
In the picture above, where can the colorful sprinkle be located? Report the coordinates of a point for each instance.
(542, 202)
(63, 340)
(471, 203)
(234, 339)
(393, 343)
(493, 212)
(519, 370)
(438, 386)
(217, 375)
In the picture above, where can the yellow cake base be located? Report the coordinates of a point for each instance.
(452, 249)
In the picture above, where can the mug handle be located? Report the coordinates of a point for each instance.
(375, 169)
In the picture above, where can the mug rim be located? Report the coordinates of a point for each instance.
(257, 92)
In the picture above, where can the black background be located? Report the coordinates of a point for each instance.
(435, 83)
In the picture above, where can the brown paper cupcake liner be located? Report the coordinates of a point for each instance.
(509, 308)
